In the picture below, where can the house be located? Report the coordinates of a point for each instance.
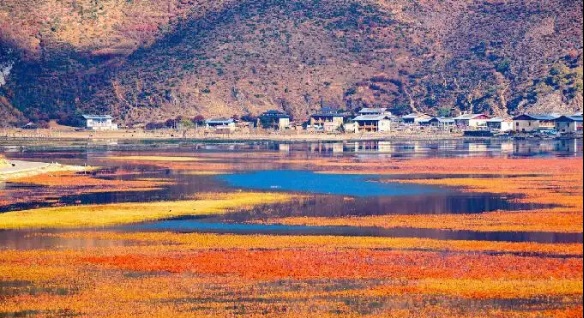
(472, 120)
(221, 124)
(531, 123)
(372, 123)
(99, 122)
(444, 123)
(375, 111)
(30, 125)
(569, 124)
(415, 118)
(274, 119)
(350, 127)
(500, 124)
(328, 119)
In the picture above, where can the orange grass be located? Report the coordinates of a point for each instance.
(72, 180)
(186, 275)
(344, 264)
(167, 280)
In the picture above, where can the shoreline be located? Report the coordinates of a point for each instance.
(286, 136)
(20, 168)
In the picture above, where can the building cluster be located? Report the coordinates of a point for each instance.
(327, 120)
(380, 120)
(524, 123)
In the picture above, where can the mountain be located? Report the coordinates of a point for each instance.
(151, 60)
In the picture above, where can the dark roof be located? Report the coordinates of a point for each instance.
(569, 119)
(275, 114)
(220, 121)
(536, 117)
(323, 114)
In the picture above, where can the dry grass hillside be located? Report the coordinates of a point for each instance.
(152, 60)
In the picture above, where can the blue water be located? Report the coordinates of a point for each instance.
(197, 225)
(333, 184)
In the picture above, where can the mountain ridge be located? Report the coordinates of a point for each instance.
(228, 58)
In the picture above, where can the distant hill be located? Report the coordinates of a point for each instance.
(151, 60)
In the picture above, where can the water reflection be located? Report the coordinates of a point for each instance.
(31, 240)
(196, 226)
(334, 206)
(335, 184)
(396, 148)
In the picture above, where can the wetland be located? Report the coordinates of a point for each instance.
(296, 217)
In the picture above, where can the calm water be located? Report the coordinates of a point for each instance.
(366, 149)
(194, 225)
(333, 184)
(255, 168)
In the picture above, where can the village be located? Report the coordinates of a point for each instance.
(367, 122)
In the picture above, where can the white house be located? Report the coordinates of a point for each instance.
(226, 124)
(416, 118)
(274, 119)
(372, 123)
(443, 123)
(328, 120)
(472, 120)
(500, 124)
(569, 124)
(531, 123)
(99, 122)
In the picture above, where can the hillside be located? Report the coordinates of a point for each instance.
(144, 61)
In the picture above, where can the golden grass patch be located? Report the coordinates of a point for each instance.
(500, 289)
(125, 213)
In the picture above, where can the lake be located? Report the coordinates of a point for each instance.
(276, 167)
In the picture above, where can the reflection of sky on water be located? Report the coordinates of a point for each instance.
(334, 184)
(202, 226)
(83, 151)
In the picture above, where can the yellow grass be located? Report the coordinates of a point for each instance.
(3, 162)
(125, 213)
(501, 289)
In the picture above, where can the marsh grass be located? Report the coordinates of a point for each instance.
(126, 213)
